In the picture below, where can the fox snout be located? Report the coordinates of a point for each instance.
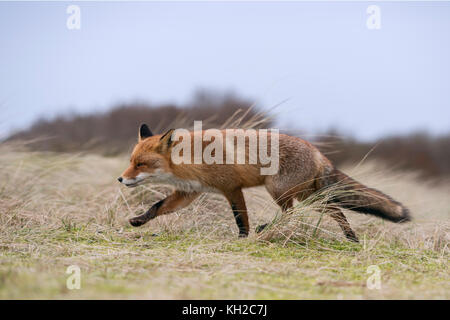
(133, 182)
(128, 182)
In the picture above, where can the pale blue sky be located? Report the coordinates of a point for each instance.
(320, 56)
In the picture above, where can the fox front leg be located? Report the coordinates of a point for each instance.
(177, 200)
(148, 215)
(237, 202)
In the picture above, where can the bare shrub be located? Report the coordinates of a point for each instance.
(419, 151)
(115, 131)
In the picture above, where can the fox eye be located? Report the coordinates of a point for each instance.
(140, 164)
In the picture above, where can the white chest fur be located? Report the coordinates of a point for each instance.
(167, 178)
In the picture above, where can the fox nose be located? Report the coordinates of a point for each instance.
(120, 179)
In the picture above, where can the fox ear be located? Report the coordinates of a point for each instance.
(166, 140)
(144, 132)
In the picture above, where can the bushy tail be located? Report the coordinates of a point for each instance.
(350, 194)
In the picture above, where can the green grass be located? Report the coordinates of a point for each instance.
(116, 265)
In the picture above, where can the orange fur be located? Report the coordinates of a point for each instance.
(302, 171)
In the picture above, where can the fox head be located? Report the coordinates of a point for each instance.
(148, 160)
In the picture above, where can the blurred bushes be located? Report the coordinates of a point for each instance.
(115, 131)
(418, 151)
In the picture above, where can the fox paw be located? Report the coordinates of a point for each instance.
(260, 227)
(136, 221)
(353, 238)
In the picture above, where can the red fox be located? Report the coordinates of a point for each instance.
(303, 170)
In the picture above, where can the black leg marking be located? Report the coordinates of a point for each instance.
(237, 216)
(261, 227)
(147, 216)
(351, 236)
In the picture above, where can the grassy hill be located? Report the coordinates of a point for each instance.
(58, 210)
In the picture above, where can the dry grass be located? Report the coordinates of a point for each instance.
(58, 210)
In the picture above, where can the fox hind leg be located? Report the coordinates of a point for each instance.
(284, 201)
(285, 187)
(337, 215)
